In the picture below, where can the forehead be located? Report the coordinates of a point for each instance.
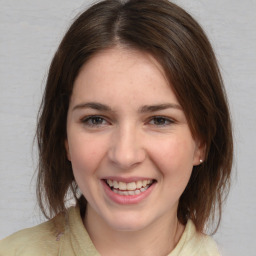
(125, 73)
(114, 59)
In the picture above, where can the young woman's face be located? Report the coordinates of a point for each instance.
(128, 140)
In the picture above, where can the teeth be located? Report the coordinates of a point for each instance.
(122, 186)
(133, 187)
(143, 189)
(144, 183)
(115, 184)
(139, 184)
(110, 183)
(130, 192)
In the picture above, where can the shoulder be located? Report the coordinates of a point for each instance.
(207, 246)
(39, 240)
(193, 243)
(200, 244)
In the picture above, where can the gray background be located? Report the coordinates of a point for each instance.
(29, 35)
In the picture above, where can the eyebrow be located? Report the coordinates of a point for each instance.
(154, 108)
(143, 109)
(92, 105)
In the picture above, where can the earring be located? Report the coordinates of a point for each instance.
(201, 161)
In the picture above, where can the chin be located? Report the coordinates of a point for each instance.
(127, 222)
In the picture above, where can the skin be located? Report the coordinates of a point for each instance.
(129, 140)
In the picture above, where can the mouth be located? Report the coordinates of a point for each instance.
(130, 188)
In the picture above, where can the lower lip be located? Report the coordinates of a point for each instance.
(125, 200)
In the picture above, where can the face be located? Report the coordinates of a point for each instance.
(128, 140)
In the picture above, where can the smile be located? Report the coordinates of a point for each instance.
(129, 189)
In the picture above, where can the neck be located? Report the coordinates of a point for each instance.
(159, 238)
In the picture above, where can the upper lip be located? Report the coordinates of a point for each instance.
(127, 179)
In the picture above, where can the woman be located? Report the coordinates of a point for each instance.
(134, 125)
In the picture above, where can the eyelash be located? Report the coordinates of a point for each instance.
(90, 121)
(97, 121)
(160, 120)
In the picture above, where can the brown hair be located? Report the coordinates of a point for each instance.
(177, 41)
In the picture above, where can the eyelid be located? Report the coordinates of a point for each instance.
(168, 119)
(85, 120)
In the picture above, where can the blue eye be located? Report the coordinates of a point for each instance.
(161, 121)
(94, 121)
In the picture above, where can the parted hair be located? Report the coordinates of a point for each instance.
(179, 44)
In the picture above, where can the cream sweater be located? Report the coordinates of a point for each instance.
(65, 235)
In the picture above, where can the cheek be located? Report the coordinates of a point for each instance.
(86, 154)
(174, 160)
(174, 156)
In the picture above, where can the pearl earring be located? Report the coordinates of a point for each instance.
(201, 161)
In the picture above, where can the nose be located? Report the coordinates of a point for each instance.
(126, 150)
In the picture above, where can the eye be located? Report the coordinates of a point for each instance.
(160, 121)
(94, 121)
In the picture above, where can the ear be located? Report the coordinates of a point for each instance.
(67, 150)
(199, 155)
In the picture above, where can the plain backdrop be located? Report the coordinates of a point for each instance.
(30, 32)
